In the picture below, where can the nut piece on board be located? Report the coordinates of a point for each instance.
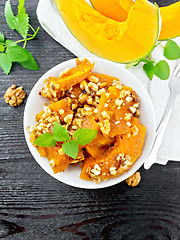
(14, 95)
(134, 180)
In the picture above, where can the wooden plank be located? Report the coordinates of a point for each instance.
(33, 205)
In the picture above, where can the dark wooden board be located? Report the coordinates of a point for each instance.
(33, 205)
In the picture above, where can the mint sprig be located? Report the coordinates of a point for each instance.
(70, 144)
(161, 69)
(10, 50)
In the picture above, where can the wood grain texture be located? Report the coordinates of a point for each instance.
(33, 205)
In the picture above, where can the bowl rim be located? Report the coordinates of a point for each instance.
(32, 149)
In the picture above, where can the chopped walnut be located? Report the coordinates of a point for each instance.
(64, 72)
(105, 115)
(14, 95)
(93, 79)
(105, 127)
(133, 109)
(101, 91)
(102, 85)
(134, 180)
(117, 84)
(93, 86)
(68, 118)
(127, 116)
(113, 171)
(129, 99)
(52, 163)
(118, 102)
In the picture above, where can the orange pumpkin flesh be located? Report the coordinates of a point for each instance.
(130, 147)
(62, 104)
(100, 143)
(111, 9)
(103, 78)
(119, 10)
(118, 124)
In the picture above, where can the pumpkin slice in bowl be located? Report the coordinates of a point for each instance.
(118, 159)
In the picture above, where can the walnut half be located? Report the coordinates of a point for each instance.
(14, 95)
(134, 180)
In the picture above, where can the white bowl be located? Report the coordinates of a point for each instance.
(36, 102)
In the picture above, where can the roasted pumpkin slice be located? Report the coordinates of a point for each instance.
(117, 41)
(117, 159)
(132, 144)
(101, 143)
(67, 79)
(61, 107)
(58, 160)
(116, 109)
(119, 10)
(105, 80)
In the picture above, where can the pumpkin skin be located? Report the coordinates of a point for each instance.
(117, 41)
(119, 9)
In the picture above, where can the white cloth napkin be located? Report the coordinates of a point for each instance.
(53, 24)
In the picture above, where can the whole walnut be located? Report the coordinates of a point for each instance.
(14, 95)
(134, 180)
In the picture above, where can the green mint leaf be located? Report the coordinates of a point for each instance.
(19, 23)
(52, 144)
(84, 135)
(172, 50)
(162, 70)
(10, 43)
(60, 133)
(22, 24)
(149, 69)
(21, 8)
(2, 38)
(10, 18)
(71, 148)
(44, 140)
(2, 48)
(5, 63)
(131, 64)
(17, 54)
(30, 63)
